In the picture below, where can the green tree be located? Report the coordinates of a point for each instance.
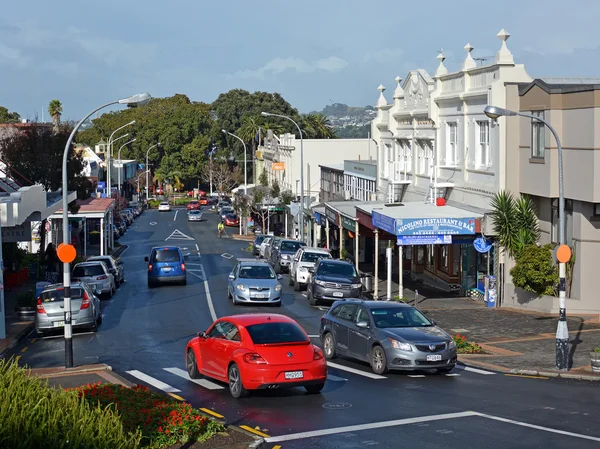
(535, 270)
(263, 179)
(317, 126)
(8, 117)
(55, 110)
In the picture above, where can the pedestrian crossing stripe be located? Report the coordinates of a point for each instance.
(178, 235)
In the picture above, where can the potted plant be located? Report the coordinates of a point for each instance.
(26, 306)
(595, 359)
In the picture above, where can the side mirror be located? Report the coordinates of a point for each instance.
(433, 322)
(202, 335)
(232, 277)
(279, 277)
(146, 259)
(363, 324)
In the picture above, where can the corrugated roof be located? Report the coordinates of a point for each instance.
(568, 80)
(417, 210)
(347, 208)
(93, 205)
(339, 167)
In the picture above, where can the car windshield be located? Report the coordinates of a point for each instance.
(337, 269)
(259, 239)
(256, 272)
(193, 203)
(166, 255)
(276, 333)
(399, 317)
(88, 270)
(313, 257)
(231, 217)
(103, 259)
(164, 204)
(291, 246)
(59, 295)
(195, 212)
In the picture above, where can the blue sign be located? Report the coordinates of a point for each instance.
(482, 245)
(406, 240)
(435, 226)
(101, 185)
(383, 222)
(140, 166)
(317, 217)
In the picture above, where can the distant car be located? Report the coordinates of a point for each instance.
(195, 215)
(166, 265)
(254, 281)
(282, 254)
(264, 245)
(164, 207)
(231, 220)
(270, 246)
(115, 266)
(388, 335)
(257, 352)
(332, 280)
(203, 201)
(85, 308)
(258, 239)
(304, 260)
(227, 210)
(97, 275)
(193, 205)
(127, 217)
(116, 232)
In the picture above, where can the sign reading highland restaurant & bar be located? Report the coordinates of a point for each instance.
(435, 226)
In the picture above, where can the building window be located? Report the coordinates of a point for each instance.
(451, 143)
(568, 221)
(483, 149)
(538, 136)
(596, 210)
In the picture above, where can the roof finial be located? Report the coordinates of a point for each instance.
(504, 56)
(399, 92)
(469, 62)
(382, 101)
(441, 70)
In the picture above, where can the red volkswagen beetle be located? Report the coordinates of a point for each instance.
(256, 352)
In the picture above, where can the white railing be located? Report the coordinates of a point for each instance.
(399, 170)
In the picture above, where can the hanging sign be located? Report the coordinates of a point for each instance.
(482, 245)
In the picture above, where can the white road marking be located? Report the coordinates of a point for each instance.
(533, 426)
(416, 375)
(375, 425)
(178, 235)
(197, 249)
(355, 371)
(227, 256)
(202, 382)
(175, 217)
(314, 336)
(336, 378)
(475, 370)
(193, 273)
(452, 375)
(153, 223)
(152, 381)
(123, 252)
(211, 307)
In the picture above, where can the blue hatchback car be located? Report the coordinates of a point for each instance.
(166, 265)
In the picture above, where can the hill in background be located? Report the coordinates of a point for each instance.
(350, 121)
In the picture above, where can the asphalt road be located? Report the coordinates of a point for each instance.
(145, 331)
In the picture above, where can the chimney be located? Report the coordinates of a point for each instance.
(359, 157)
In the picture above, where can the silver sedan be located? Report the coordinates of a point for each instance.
(254, 281)
(194, 215)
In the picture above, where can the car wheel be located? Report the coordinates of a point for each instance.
(297, 286)
(110, 293)
(277, 304)
(291, 280)
(329, 346)
(311, 299)
(184, 282)
(314, 389)
(118, 284)
(378, 360)
(192, 366)
(229, 294)
(277, 268)
(445, 370)
(99, 319)
(236, 387)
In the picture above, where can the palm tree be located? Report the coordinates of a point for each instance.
(317, 126)
(55, 110)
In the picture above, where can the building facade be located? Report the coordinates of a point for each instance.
(360, 180)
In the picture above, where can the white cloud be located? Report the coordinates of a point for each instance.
(12, 57)
(280, 65)
(383, 56)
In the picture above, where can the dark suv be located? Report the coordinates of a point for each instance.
(283, 253)
(331, 280)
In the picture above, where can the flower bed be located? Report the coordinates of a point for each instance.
(162, 421)
(467, 347)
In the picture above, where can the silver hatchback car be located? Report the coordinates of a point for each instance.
(195, 215)
(85, 308)
(254, 281)
(97, 276)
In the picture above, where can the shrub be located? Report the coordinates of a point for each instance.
(535, 270)
(153, 203)
(597, 349)
(35, 416)
(466, 347)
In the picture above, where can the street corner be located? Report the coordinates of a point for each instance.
(79, 376)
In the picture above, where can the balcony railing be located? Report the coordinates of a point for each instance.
(398, 171)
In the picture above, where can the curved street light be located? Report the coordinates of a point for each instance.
(119, 159)
(562, 331)
(110, 143)
(224, 131)
(134, 100)
(148, 171)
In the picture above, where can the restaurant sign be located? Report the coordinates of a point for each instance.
(435, 226)
(348, 223)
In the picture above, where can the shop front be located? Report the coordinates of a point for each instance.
(332, 231)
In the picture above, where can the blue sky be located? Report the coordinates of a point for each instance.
(312, 52)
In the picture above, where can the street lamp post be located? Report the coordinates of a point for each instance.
(301, 221)
(121, 167)
(138, 181)
(136, 99)
(148, 171)
(245, 173)
(563, 251)
(110, 143)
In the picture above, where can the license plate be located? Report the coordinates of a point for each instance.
(434, 358)
(59, 324)
(294, 375)
(167, 269)
(261, 296)
(338, 294)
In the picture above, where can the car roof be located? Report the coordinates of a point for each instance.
(107, 256)
(248, 319)
(59, 286)
(166, 248)
(315, 250)
(163, 202)
(335, 262)
(91, 262)
(371, 304)
(195, 212)
(253, 262)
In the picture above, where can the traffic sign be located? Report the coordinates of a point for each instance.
(563, 253)
(118, 164)
(66, 253)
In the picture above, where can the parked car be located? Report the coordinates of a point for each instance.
(282, 254)
(121, 224)
(331, 280)
(304, 259)
(166, 265)
(97, 275)
(252, 281)
(116, 232)
(85, 308)
(195, 215)
(131, 214)
(231, 220)
(203, 201)
(227, 210)
(257, 351)
(258, 239)
(193, 205)
(115, 266)
(221, 205)
(164, 207)
(264, 244)
(388, 335)
(269, 247)
(127, 218)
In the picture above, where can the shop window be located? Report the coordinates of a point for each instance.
(568, 221)
(430, 257)
(596, 210)
(538, 136)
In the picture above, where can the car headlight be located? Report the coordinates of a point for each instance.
(318, 282)
(400, 345)
(356, 285)
(452, 344)
(241, 287)
(278, 288)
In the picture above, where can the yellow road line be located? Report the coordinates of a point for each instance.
(176, 396)
(254, 431)
(24, 349)
(210, 412)
(276, 447)
(33, 340)
(526, 376)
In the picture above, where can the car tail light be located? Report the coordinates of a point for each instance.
(318, 354)
(85, 302)
(254, 358)
(40, 307)
(149, 267)
(183, 267)
(101, 278)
